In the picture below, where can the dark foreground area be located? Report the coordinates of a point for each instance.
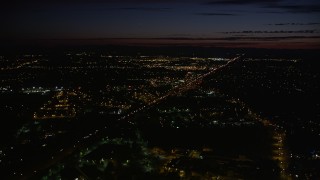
(146, 114)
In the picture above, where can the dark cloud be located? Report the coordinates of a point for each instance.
(294, 24)
(146, 9)
(215, 14)
(209, 2)
(280, 38)
(303, 8)
(296, 42)
(273, 32)
(96, 1)
(241, 2)
(272, 38)
(307, 6)
(180, 35)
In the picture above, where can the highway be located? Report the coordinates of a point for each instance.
(98, 134)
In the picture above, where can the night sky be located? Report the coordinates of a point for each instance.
(219, 23)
